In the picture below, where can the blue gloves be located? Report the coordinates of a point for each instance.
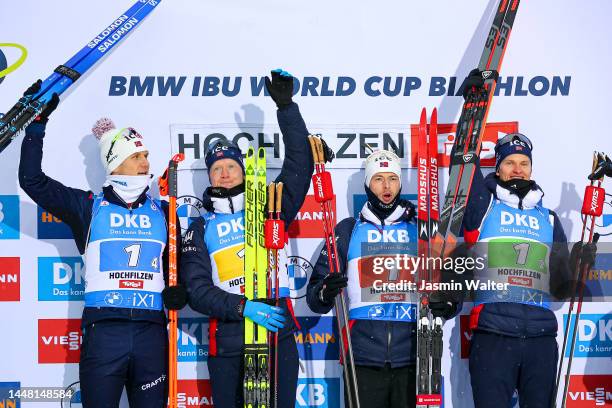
(270, 317)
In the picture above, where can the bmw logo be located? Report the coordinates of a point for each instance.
(299, 270)
(189, 208)
(376, 312)
(113, 298)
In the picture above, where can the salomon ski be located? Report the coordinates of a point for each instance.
(30, 106)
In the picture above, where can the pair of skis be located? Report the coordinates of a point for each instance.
(592, 207)
(168, 187)
(262, 239)
(429, 329)
(30, 106)
(324, 194)
(438, 231)
(470, 129)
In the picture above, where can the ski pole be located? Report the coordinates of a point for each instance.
(168, 186)
(275, 240)
(572, 300)
(592, 206)
(323, 191)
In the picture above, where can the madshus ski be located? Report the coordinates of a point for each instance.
(470, 128)
(438, 231)
(30, 106)
(429, 329)
(256, 345)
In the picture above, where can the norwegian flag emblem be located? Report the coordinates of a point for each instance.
(519, 148)
(137, 143)
(384, 164)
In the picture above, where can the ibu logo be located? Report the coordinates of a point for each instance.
(520, 220)
(318, 392)
(399, 235)
(130, 221)
(193, 339)
(9, 217)
(233, 226)
(60, 278)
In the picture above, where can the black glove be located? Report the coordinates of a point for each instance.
(331, 287)
(604, 168)
(442, 305)
(43, 117)
(174, 297)
(328, 153)
(34, 88)
(476, 79)
(280, 87)
(583, 253)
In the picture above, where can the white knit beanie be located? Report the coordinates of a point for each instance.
(116, 145)
(382, 161)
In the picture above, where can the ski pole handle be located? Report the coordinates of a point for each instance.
(271, 199)
(274, 228)
(313, 148)
(279, 198)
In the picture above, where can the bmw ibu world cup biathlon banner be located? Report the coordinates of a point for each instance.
(193, 71)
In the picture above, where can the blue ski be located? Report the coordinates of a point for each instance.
(29, 107)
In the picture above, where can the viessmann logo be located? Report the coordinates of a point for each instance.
(309, 221)
(59, 341)
(5, 67)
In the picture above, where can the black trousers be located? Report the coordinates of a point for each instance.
(386, 387)
(122, 353)
(226, 377)
(501, 364)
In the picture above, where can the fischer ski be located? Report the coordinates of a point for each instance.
(30, 106)
(470, 129)
(429, 329)
(168, 187)
(592, 206)
(256, 347)
(324, 194)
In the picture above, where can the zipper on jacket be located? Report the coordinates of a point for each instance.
(388, 360)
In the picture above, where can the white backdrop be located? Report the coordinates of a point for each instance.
(553, 90)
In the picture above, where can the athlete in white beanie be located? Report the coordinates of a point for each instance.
(383, 182)
(122, 233)
(125, 159)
